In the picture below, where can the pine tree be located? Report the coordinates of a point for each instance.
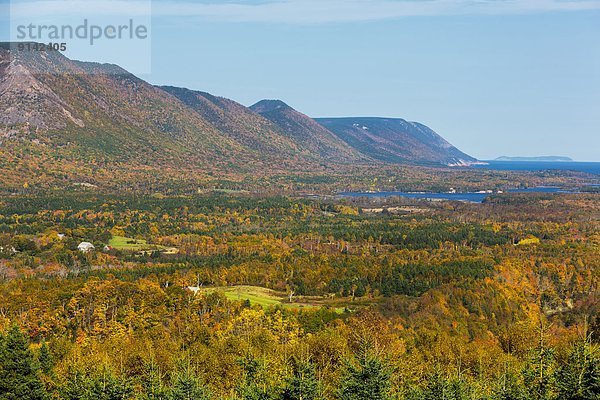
(509, 387)
(46, 360)
(538, 373)
(18, 373)
(368, 380)
(254, 391)
(579, 377)
(437, 388)
(76, 386)
(255, 386)
(458, 389)
(79, 385)
(152, 382)
(187, 386)
(110, 387)
(303, 385)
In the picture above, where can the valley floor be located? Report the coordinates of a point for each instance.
(239, 296)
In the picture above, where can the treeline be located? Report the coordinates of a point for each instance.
(357, 367)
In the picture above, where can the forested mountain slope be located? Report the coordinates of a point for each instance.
(313, 137)
(396, 140)
(66, 122)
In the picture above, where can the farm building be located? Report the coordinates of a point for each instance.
(85, 247)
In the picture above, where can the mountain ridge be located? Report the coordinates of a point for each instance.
(81, 116)
(302, 129)
(236, 120)
(396, 140)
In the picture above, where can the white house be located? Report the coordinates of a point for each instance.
(85, 247)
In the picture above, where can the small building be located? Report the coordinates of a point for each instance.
(61, 236)
(108, 248)
(85, 247)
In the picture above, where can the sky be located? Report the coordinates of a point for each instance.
(494, 77)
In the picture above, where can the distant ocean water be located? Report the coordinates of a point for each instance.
(469, 197)
(588, 167)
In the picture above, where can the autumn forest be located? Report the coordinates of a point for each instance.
(238, 296)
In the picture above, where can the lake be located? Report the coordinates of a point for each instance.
(587, 167)
(470, 197)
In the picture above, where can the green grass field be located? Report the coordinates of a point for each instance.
(129, 244)
(256, 295)
(263, 297)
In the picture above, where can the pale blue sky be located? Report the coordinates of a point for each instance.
(493, 77)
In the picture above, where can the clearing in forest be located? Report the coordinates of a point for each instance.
(267, 297)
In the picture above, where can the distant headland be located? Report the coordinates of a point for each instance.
(541, 158)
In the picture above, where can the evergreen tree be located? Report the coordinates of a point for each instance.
(18, 372)
(579, 377)
(303, 384)
(152, 382)
(106, 386)
(255, 391)
(76, 386)
(110, 387)
(508, 387)
(368, 380)
(187, 386)
(458, 389)
(437, 388)
(46, 360)
(254, 386)
(538, 373)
